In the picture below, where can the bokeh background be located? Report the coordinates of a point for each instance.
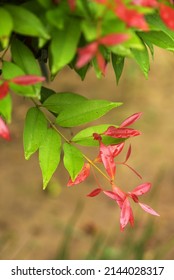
(61, 222)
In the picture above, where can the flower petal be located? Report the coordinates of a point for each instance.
(148, 209)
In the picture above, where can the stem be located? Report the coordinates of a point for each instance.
(69, 142)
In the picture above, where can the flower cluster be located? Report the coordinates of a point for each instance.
(106, 156)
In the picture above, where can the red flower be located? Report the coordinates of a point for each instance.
(4, 132)
(84, 173)
(122, 199)
(4, 88)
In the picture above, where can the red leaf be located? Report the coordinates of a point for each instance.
(4, 132)
(116, 149)
(4, 88)
(121, 132)
(27, 80)
(85, 54)
(130, 120)
(141, 189)
(113, 196)
(126, 214)
(131, 17)
(84, 173)
(167, 15)
(148, 209)
(95, 192)
(101, 62)
(97, 137)
(128, 153)
(108, 160)
(113, 39)
(72, 4)
(146, 3)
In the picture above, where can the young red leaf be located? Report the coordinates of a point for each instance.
(72, 4)
(146, 3)
(85, 54)
(108, 160)
(113, 39)
(97, 137)
(95, 192)
(27, 80)
(84, 173)
(130, 120)
(116, 149)
(131, 17)
(167, 15)
(101, 62)
(128, 153)
(148, 209)
(4, 88)
(113, 195)
(126, 214)
(121, 132)
(141, 189)
(4, 132)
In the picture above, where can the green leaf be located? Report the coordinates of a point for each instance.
(6, 27)
(26, 23)
(45, 3)
(34, 131)
(25, 59)
(11, 70)
(159, 39)
(59, 101)
(49, 155)
(85, 136)
(84, 112)
(73, 160)
(142, 59)
(56, 18)
(63, 45)
(6, 107)
(118, 65)
(45, 93)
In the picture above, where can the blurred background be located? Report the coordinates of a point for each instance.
(61, 222)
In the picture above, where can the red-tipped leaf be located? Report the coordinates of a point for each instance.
(148, 209)
(130, 120)
(84, 173)
(4, 131)
(4, 88)
(95, 192)
(27, 80)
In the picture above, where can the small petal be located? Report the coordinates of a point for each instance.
(27, 80)
(142, 189)
(130, 120)
(84, 173)
(4, 88)
(148, 209)
(95, 192)
(4, 131)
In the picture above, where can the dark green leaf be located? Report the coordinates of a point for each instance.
(49, 155)
(63, 45)
(84, 112)
(118, 64)
(59, 101)
(73, 160)
(34, 131)
(25, 59)
(159, 39)
(142, 59)
(45, 93)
